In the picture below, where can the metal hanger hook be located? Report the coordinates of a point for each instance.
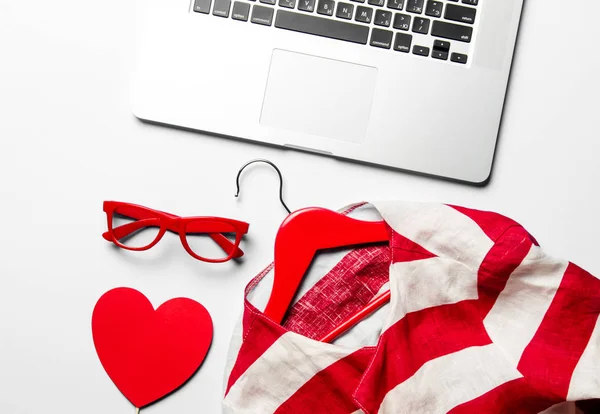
(237, 180)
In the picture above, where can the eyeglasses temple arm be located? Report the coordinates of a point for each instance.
(225, 244)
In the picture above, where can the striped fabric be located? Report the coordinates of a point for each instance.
(480, 320)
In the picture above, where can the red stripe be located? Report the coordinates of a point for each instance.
(500, 262)
(515, 397)
(492, 224)
(264, 334)
(406, 250)
(551, 356)
(416, 339)
(330, 391)
(247, 318)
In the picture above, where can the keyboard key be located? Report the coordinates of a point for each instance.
(395, 4)
(402, 42)
(383, 18)
(379, 3)
(202, 6)
(364, 14)
(415, 6)
(421, 50)
(326, 7)
(271, 2)
(241, 11)
(460, 14)
(438, 54)
(344, 11)
(402, 21)
(452, 31)
(321, 26)
(470, 2)
(262, 15)
(421, 25)
(221, 8)
(434, 8)
(290, 4)
(381, 38)
(307, 5)
(441, 45)
(459, 58)
(358, 1)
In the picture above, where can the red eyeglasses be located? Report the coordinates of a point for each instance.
(137, 228)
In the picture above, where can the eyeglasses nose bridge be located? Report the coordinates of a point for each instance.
(174, 224)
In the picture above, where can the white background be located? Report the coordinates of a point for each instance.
(68, 141)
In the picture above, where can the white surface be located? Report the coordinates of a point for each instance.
(68, 141)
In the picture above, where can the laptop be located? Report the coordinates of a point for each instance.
(416, 85)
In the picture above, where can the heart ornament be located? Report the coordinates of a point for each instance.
(149, 353)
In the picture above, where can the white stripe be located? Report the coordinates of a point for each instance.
(235, 345)
(446, 382)
(440, 229)
(423, 284)
(285, 367)
(518, 312)
(585, 382)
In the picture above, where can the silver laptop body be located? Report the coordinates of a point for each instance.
(415, 85)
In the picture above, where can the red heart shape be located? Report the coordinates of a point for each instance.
(146, 353)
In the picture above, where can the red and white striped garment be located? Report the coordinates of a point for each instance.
(480, 320)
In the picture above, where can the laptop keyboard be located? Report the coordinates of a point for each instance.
(386, 24)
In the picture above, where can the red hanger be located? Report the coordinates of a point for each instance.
(301, 235)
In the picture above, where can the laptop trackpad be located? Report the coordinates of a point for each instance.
(318, 96)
